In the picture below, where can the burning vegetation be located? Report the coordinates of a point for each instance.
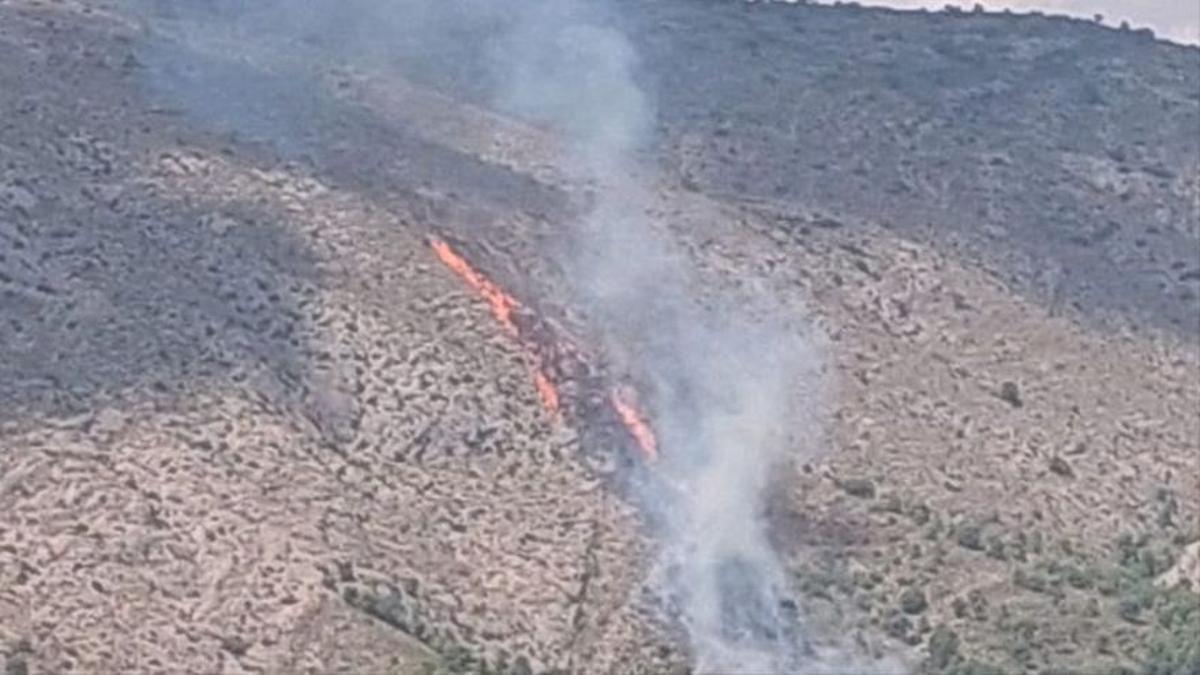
(637, 425)
(508, 312)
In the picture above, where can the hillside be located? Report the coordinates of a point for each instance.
(250, 422)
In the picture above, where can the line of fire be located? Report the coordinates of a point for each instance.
(551, 356)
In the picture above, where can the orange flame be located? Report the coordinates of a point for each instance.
(637, 426)
(547, 391)
(502, 303)
(503, 306)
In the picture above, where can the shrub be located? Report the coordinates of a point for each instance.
(912, 601)
(943, 647)
(859, 487)
(970, 536)
(1172, 646)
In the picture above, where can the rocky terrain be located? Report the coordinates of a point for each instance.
(249, 423)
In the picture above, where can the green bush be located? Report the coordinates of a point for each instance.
(1173, 647)
(913, 601)
(943, 648)
(970, 536)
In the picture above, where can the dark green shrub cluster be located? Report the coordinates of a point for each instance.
(1173, 647)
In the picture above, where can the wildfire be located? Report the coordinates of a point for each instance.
(637, 426)
(504, 307)
(547, 391)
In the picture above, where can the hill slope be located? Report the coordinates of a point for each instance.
(249, 423)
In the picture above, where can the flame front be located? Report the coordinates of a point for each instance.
(547, 391)
(637, 426)
(504, 308)
(503, 305)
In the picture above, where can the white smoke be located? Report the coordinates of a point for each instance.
(727, 388)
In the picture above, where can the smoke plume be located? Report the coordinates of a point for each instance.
(729, 389)
(725, 386)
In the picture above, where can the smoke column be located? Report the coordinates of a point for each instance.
(730, 391)
(727, 388)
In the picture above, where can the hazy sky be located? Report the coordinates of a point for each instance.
(1177, 20)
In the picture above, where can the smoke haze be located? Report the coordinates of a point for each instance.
(729, 391)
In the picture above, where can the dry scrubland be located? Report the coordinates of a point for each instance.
(249, 424)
